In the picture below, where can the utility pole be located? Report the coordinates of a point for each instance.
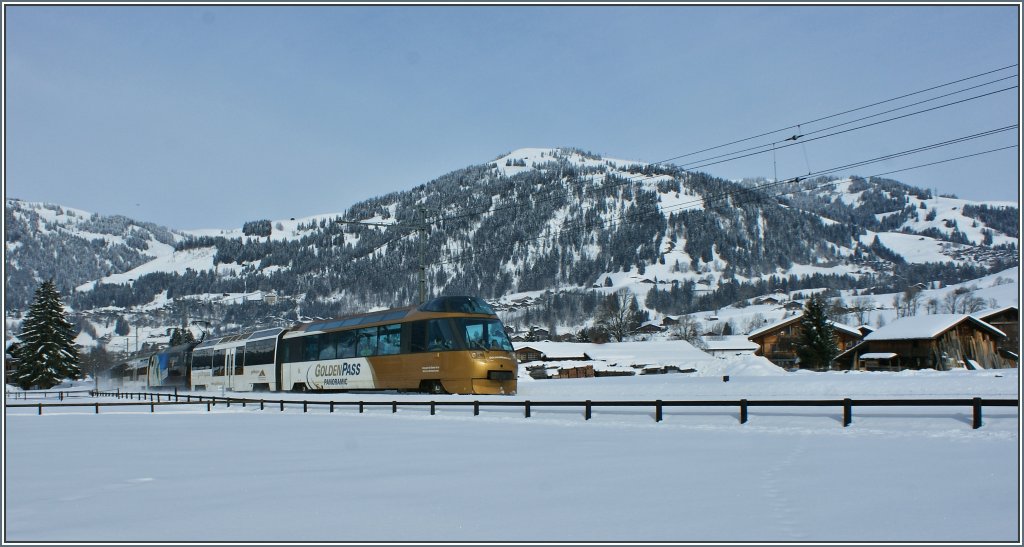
(421, 226)
(423, 266)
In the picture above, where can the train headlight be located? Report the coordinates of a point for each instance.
(476, 355)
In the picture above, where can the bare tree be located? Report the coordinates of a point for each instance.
(689, 330)
(619, 314)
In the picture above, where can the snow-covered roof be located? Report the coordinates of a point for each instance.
(838, 326)
(985, 314)
(878, 355)
(926, 327)
(733, 342)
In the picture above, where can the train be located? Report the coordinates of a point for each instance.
(451, 344)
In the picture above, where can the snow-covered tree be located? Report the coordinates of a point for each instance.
(817, 345)
(47, 353)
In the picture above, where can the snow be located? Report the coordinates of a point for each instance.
(788, 474)
(921, 327)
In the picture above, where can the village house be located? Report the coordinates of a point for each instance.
(940, 342)
(649, 327)
(1007, 320)
(778, 342)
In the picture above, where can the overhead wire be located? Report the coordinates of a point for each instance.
(732, 156)
(754, 190)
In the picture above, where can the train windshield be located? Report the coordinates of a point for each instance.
(458, 304)
(486, 334)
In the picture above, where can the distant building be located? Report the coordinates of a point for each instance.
(778, 342)
(649, 328)
(940, 342)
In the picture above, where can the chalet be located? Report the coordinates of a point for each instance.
(649, 328)
(669, 321)
(536, 352)
(940, 342)
(1007, 320)
(777, 342)
(526, 354)
(728, 346)
(770, 300)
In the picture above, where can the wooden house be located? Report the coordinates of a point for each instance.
(777, 342)
(940, 342)
(1007, 320)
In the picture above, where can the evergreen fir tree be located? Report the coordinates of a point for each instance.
(816, 346)
(47, 353)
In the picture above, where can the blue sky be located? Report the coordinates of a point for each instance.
(206, 116)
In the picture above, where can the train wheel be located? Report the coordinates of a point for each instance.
(434, 387)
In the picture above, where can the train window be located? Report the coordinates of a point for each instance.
(389, 340)
(239, 360)
(485, 334)
(219, 359)
(464, 304)
(328, 345)
(346, 344)
(440, 336)
(418, 336)
(292, 350)
(310, 348)
(260, 352)
(202, 360)
(366, 345)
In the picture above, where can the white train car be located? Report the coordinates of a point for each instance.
(135, 374)
(238, 362)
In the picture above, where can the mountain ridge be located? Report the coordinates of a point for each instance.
(534, 219)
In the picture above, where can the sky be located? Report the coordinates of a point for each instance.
(210, 116)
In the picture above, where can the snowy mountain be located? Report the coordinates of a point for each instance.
(542, 233)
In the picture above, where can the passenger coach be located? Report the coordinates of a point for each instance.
(452, 344)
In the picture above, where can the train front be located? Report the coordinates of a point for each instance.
(483, 361)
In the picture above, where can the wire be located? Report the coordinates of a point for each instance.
(750, 191)
(690, 168)
(842, 113)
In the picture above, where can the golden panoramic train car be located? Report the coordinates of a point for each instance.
(452, 344)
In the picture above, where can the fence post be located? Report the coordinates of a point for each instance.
(228, 401)
(207, 406)
(586, 410)
(360, 407)
(394, 406)
(60, 395)
(847, 412)
(282, 405)
(976, 402)
(526, 409)
(150, 407)
(305, 405)
(332, 407)
(41, 409)
(476, 408)
(261, 404)
(743, 411)
(431, 408)
(657, 410)
(97, 408)
(175, 393)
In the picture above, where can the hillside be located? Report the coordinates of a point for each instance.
(543, 233)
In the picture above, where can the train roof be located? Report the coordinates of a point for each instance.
(243, 337)
(441, 304)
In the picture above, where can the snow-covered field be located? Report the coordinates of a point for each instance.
(789, 474)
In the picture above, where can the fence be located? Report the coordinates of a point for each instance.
(659, 406)
(59, 395)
